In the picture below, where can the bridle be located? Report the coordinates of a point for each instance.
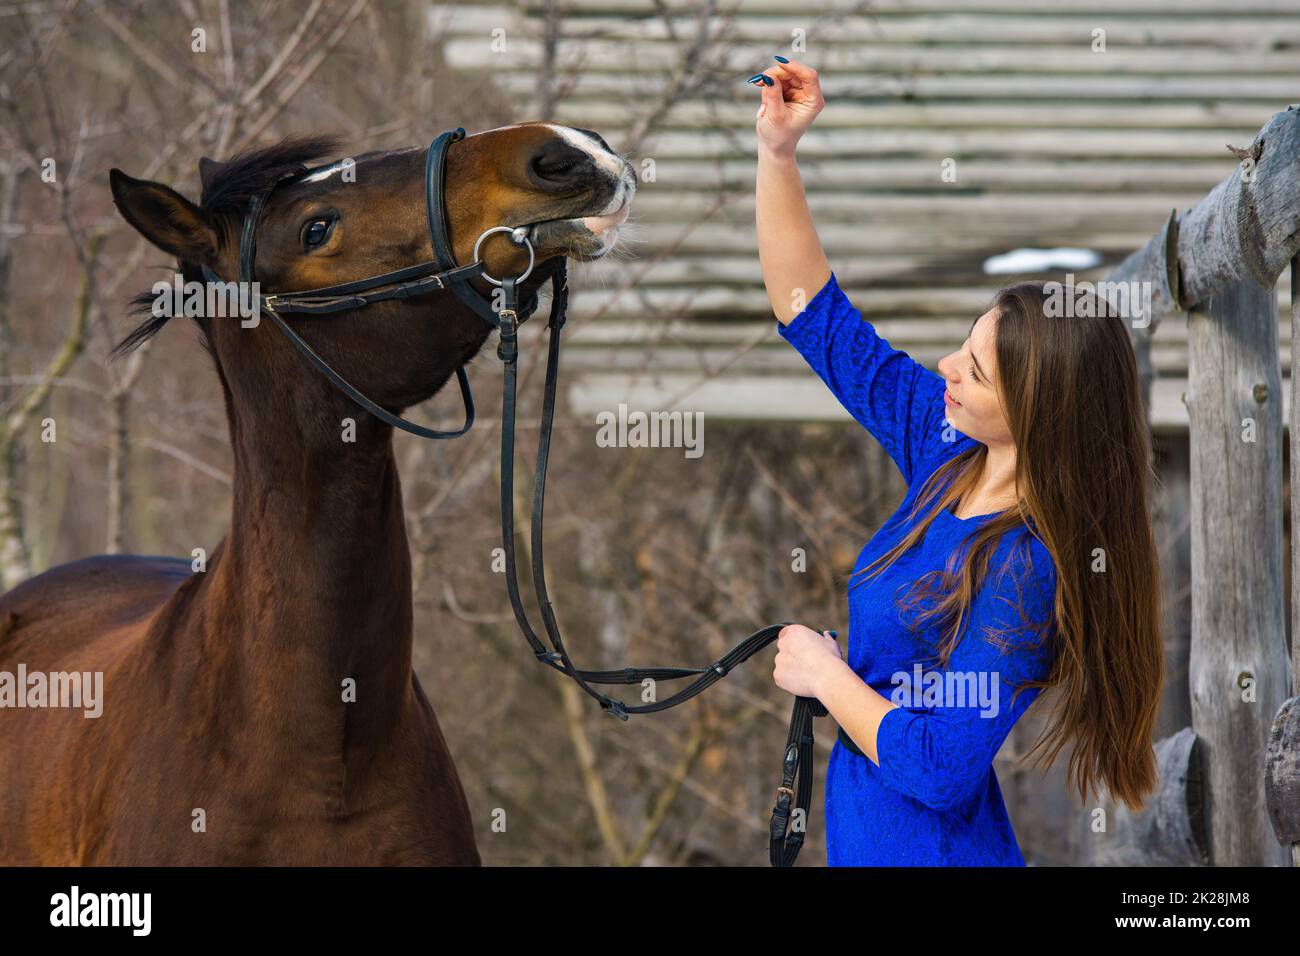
(442, 273)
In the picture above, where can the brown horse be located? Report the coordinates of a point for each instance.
(228, 733)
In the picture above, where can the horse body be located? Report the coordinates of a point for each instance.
(261, 707)
(193, 761)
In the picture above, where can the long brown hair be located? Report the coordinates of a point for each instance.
(1069, 389)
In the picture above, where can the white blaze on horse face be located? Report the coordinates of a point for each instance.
(325, 172)
(605, 223)
(603, 158)
(610, 162)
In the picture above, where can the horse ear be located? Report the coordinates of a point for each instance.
(208, 169)
(166, 218)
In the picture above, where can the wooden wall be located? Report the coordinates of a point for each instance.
(1054, 145)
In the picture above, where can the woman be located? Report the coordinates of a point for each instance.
(1021, 557)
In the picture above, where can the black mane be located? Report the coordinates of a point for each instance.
(251, 173)
(233, 186)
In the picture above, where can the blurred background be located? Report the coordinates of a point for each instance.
(960, 136)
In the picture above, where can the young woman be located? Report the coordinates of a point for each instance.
(1021, 557)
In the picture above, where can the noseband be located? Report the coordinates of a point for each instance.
(442, 273)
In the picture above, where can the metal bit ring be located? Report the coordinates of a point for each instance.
(519, 236)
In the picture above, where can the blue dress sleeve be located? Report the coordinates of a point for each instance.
(888, 392)
(941, 755)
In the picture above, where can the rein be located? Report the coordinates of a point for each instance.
(441, 273)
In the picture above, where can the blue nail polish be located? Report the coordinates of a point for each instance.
(768, 80)
(780, 59)
(834, 634)
(754, 78)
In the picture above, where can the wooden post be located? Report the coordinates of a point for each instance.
(1220, 258)
(1239, 668)
(1282, 770)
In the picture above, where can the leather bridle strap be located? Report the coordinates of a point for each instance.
(405, 283)
(368, 404)
(792, 803)
(435, 202)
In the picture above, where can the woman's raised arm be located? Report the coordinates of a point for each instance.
(790, 253)
(893, 396)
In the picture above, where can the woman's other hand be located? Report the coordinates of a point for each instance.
(803, 658)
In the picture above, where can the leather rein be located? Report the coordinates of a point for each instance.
(442, 273)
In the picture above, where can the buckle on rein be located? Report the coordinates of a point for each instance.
(785, 792)
(508, 347)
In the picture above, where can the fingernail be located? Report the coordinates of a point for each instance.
(767, 80)
(834, 634)
(756, 76)
(780, 59)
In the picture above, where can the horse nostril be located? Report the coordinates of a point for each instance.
(559, 164)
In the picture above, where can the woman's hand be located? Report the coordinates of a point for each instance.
(803, 658)
(789, 107)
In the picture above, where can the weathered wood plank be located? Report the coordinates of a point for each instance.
(1235, 28)
(1192, 176)
(842, 87)
(614, 55)
(1239, 667)
(613, 117)
(663, 200)
(885, 8)
(717, 236)
(939, 144)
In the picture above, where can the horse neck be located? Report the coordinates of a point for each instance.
(312, 586)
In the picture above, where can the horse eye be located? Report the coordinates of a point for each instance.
(317, 231)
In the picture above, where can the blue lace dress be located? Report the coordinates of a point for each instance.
(934, 799)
